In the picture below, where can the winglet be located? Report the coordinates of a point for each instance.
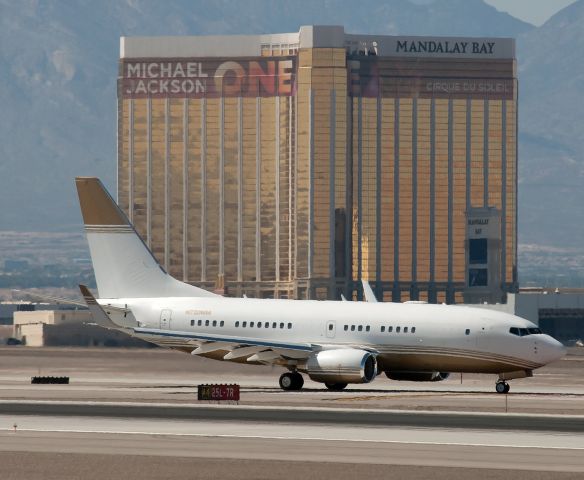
(101, 318)
(368, 292)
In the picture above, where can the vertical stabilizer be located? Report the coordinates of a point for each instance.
(124, 267)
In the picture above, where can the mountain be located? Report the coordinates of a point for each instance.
(551, 131)
(58, 64)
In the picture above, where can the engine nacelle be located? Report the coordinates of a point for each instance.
(418, 376)
(344, 365)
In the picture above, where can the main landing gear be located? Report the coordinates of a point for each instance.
(502, 386)
(291, 381)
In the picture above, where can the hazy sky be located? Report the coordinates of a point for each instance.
(532, 11)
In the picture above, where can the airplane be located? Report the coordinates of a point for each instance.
(332, 342)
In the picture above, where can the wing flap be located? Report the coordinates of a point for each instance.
(237, 347)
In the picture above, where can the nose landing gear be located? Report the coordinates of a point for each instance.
(290, 381)
(502, 386)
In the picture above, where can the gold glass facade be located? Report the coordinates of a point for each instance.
(300, 171)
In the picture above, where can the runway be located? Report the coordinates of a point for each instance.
(296, 415)
(320, 446)
(131, 414)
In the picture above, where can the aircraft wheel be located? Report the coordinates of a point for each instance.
(502, 387)
(298, 381)
(291, 381)
(335, 387)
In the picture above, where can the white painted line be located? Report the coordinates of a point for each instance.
(269, 437)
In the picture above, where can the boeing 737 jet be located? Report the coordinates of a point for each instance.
(332, 342)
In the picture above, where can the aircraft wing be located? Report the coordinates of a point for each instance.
(255, 350)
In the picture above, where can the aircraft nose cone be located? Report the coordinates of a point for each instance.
(554, 350)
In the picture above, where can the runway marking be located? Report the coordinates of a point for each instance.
(275, 437)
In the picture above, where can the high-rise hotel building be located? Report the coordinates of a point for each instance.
(295, 165)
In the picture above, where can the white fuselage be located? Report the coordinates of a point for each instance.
(407, 337)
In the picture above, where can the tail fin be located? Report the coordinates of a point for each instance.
(124, 266)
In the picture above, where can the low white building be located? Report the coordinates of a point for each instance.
(66, 328)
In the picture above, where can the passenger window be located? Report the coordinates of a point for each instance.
(244, 324)
(389, 329)
(282, 325)
(330, 327)
(352, 328)
(382, 329)
(200, 322)
(192, 323)
(367, 328)
(237, 324)
(274, 325)
(289, 326)
(467, 331)
(413, 329)
(251, 324)
(405, 329)
(222, 323)
(206, 323)
(360, 328)
(259, 324)
(397, 329)
(346, 327)
(214, 323)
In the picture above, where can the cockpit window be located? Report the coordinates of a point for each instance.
(523, 332)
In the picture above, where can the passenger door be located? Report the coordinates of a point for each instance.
(331, 329)
(165, 317)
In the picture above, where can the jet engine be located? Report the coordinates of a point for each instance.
(418, 376)
(339, 366)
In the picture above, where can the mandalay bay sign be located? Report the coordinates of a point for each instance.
(206, 78)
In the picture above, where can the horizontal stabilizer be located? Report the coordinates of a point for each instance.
(97, 312)
(50, 298)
